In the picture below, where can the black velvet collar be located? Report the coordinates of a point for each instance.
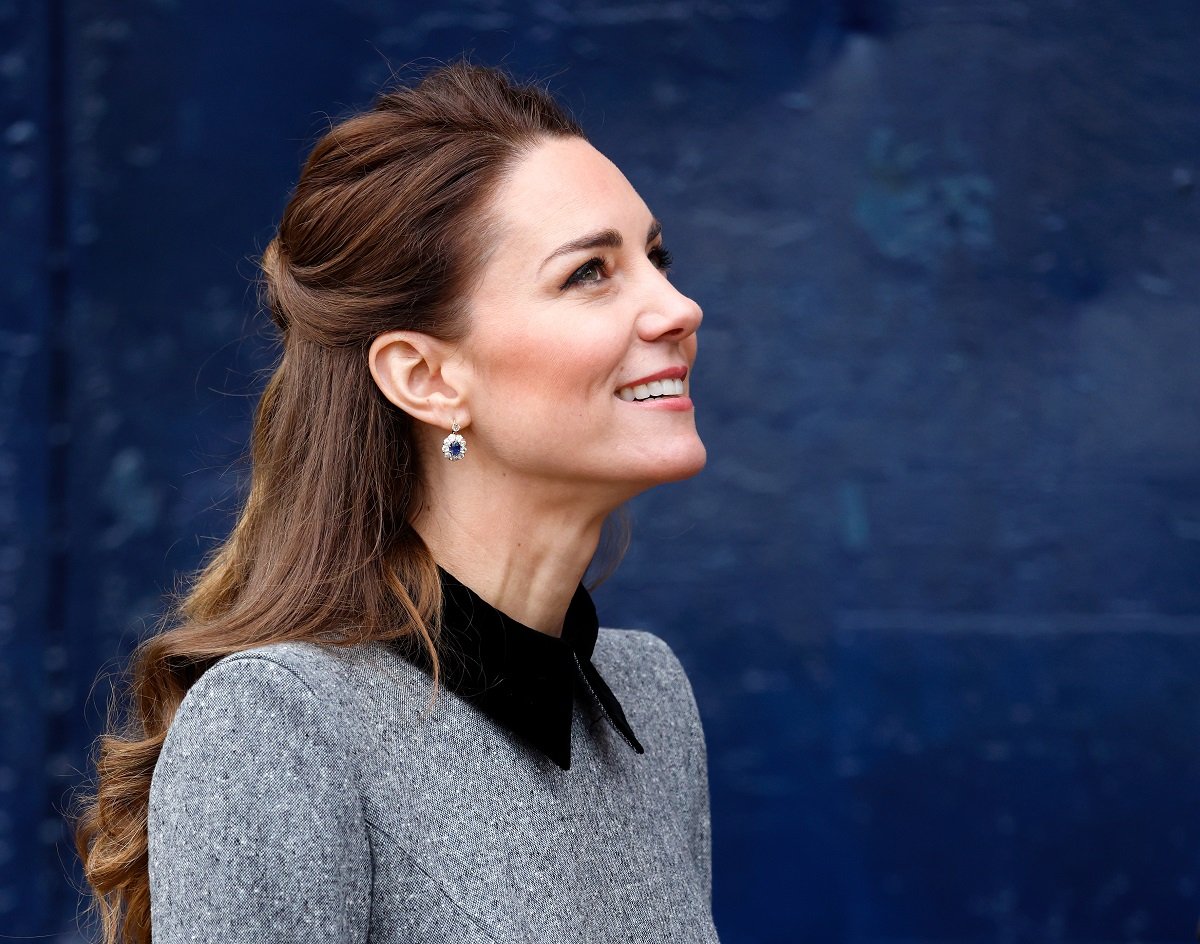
(521, 678)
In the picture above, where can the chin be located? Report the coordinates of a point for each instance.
(683, 464)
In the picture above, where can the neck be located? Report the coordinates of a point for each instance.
(520, 549)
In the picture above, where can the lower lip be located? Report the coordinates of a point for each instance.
(680, 403)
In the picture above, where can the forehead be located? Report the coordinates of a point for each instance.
(562, 189)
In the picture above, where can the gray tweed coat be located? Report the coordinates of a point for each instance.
(307, 793)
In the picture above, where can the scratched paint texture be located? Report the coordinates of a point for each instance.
(936, 589)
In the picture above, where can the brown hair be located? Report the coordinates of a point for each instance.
(386, 229)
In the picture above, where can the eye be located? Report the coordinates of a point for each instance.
(661, 257)
(584, 274)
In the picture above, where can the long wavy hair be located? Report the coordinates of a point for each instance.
(386, 229)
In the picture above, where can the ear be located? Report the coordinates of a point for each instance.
(422, 375)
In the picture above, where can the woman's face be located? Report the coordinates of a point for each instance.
(574, 305)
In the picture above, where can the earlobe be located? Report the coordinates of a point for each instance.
(410, 369)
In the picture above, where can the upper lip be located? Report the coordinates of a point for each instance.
(671, 373)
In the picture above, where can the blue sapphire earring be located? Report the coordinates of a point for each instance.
(454, 447)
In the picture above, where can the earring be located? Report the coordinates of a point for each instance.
(454, 447)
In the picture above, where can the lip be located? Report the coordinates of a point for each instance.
(671, 373)
(679, 403)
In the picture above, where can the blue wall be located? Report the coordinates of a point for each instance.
(937, 588)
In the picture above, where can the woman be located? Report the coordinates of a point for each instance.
(483, 359)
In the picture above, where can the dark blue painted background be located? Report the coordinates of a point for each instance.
(937, 588)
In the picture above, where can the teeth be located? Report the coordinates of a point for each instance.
(656, 388)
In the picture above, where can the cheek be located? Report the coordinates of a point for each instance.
(556, 366)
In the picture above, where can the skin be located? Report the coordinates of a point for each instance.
(551, 449)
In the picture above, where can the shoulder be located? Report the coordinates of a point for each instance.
(292, 670)
(641, 661)
(308, 662)
(253, 771)
(256, 722)
(650, 681)
(279, 695)
(637, 644)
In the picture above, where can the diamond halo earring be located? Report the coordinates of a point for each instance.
(454, 447)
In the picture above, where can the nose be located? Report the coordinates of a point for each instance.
(669, 314)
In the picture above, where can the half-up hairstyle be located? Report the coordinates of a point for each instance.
(387, 229)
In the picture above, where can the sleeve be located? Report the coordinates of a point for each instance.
(256, 831)
(694, 765)
(701, 813)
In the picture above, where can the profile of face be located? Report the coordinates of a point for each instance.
(573, 308)
(572, 383)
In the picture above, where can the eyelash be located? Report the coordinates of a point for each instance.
(660, 254)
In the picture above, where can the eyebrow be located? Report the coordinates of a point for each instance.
(605, 238)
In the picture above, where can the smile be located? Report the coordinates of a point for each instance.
(656, 389)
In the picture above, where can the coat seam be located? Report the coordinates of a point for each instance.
(412, 860)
